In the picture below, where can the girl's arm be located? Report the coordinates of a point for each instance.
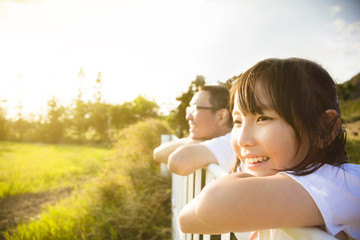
(188, 213)
(237, 203)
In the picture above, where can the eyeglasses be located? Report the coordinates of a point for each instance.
(194, 108)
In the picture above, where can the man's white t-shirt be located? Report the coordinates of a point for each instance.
(336, 192)
(221, 148)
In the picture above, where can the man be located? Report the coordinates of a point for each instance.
(210, 124)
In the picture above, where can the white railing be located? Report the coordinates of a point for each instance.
(185, 188)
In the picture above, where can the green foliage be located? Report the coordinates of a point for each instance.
(136, 206)
(349, 90)
(350, 110)
(82, 122)
(79, 121)
(3, 124)
(129, 199)
(353, 141)
(353, 149)
(54, 128)
(99, 120)
(130, 112)
(136, 143)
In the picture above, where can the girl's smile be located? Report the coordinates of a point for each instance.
(253, 162)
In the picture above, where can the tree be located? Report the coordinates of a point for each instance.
(80, 118)
(120, 115)
(343, 93)
(54, 123)
(99, 119)
(80, 112)
(19, 124)
(3, 123)
(98, 85)
(131, 112)
(143, 108)
(99, 112)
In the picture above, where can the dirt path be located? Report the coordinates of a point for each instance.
(17, 209)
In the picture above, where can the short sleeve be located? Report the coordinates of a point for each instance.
(336, 192)
(222, 150)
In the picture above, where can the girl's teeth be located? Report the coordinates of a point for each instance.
(255, 160)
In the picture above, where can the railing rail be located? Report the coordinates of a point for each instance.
(185, 188)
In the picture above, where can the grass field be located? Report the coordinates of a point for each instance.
(34, 168)
(122, 194)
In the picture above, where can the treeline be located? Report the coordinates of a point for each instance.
(81, 122)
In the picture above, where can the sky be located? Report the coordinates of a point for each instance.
(155, 48)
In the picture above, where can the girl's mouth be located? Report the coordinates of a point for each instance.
(255, 160)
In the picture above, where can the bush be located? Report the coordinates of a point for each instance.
(139, 205)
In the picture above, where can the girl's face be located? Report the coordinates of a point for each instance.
(264, 142)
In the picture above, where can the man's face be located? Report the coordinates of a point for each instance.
(202, 120)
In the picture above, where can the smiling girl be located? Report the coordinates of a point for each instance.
(291, 168)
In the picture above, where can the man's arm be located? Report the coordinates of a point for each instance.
(188, 158)
(161, 154)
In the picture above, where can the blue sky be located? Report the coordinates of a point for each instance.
(157, 47)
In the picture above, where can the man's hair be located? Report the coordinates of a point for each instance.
(219, 98)
(300, 91)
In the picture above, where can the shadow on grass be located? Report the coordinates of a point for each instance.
(22, 208)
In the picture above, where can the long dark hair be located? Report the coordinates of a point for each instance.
(300, 91)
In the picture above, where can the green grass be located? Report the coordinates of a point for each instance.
(32, 168)
(127, 199)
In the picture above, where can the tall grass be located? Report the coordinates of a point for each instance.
(129, 199)
(33, 168)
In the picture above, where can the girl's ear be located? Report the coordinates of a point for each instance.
(330, 121)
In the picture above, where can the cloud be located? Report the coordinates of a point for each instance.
(339, 24)
(347, 29)
(334, 10)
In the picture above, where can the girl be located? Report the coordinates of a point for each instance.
(293, 169)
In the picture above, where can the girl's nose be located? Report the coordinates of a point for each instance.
(245, 137)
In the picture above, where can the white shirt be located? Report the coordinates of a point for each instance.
(221, 148)
(336, 192)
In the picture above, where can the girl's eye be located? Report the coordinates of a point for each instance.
(263, 118)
